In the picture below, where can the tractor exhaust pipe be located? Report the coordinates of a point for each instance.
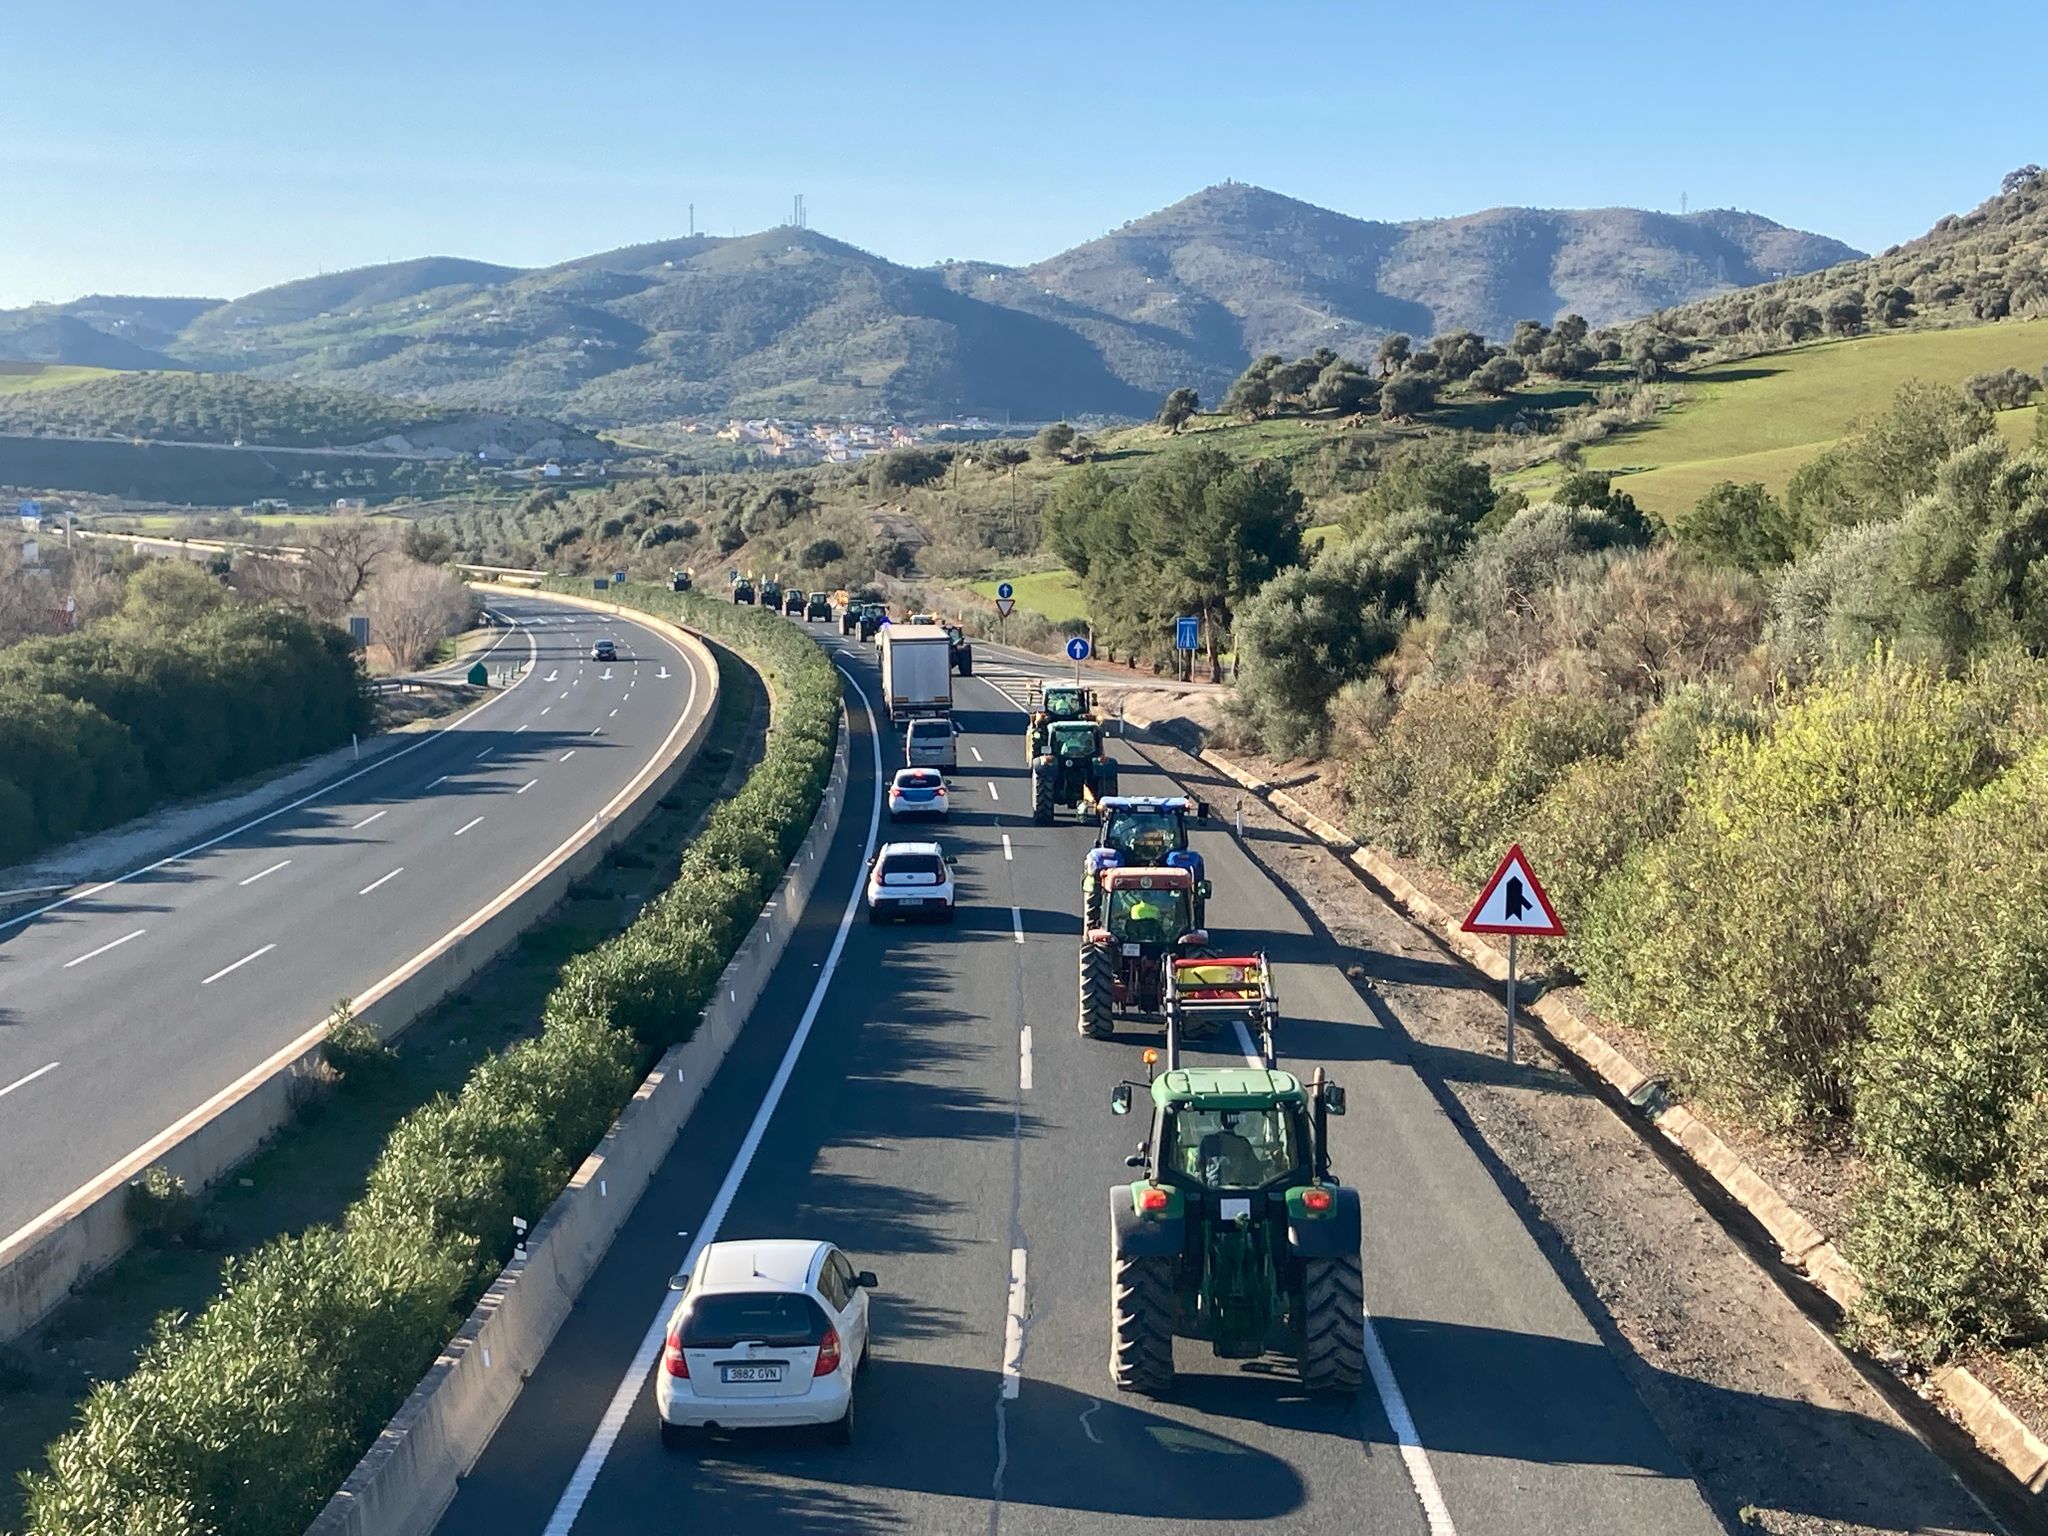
(1322, 1114)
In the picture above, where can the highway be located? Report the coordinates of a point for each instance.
(125, 1006)
(921, 1096)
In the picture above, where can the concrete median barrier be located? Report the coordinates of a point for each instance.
(408, 1477)
(42, 1262)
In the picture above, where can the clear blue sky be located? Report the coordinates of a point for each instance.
(213, 148)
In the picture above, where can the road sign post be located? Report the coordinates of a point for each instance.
(1514, 903)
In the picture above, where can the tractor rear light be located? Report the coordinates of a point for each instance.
(673, 1360)
(828, 1353)
(1317, 1200)
(1152, 1199)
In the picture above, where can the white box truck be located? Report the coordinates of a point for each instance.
(917, 671)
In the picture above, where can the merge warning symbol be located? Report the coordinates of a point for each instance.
(1514, 902)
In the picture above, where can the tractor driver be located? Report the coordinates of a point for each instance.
(1144, 920)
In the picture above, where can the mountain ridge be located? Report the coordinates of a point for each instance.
(790, 321)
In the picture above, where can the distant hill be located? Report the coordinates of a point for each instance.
(1235, 271)
(1985, 265)
(791, 322)
(237, 408)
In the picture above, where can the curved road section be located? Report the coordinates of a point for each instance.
(921, 1096)
(125, 1006)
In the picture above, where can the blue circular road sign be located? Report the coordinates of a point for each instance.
(1004, 590)
(1077, 649)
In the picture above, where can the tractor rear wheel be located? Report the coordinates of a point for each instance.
(1098, 992)
(1141, 1325)
(1041, 797)
(1333, 1324)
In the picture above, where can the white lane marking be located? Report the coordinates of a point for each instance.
(23, 1082)
(255, 954)
(280, 864)
(614, 712)
(93, 954)
(522, 789)
(626, 695)
(552, 675)
(976, 751)
(441, 780)
(546, 708)
(992, 790)
(373, 816)
(483, 754)
(605, 676)
(1421, 1475)
(467, 825)
(1024, 1059)
(1008, 856)
(1013, 1328)
(565, 694)
(662, 673)
(566, 755)
(633, 1383)
(515, 733)
(380, 880)
(600, 729)
(1017, 922)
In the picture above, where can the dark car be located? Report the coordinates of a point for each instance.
(605, 650)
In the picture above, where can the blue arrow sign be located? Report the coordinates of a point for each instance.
(1077, 649)
(1187, 635)
(1002, 590)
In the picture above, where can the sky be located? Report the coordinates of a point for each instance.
(215, 148)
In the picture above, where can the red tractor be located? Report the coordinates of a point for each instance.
(1146, 917)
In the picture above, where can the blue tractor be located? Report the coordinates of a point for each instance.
(1143, 831)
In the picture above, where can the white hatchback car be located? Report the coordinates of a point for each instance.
(917, 792)
(767, 1334)
(910, 880)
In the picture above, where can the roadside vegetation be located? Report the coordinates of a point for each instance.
(243, 1419)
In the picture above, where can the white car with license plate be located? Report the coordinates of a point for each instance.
(910, 880)
(917, 792)
(767, 1334)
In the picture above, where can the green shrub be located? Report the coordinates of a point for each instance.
(1459, 765)
(158, 1207)
(1951, 1229)
(1745, 938)
(352, 1048)
(243, 1420)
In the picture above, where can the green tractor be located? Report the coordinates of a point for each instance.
(1073, 768)
(1045, 708)
(1237, 1234)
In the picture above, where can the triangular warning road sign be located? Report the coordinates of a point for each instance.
(1004, 605)
(1514, 902)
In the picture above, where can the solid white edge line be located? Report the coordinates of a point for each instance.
(323, 790)
(280, 864)
(1013, 1328)
(1421, 1475)
(467, 825)
(23, 1082)
(93, 954)
(254, 954)
(380, 880)
(632, 1383)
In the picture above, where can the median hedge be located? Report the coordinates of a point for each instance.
(244, 1420)
(102, 725)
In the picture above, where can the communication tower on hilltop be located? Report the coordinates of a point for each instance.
(797, 218)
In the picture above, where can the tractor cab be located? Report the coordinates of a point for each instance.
(1067, 703)
(1046, 706)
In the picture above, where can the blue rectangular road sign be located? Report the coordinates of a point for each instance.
(1187, 635)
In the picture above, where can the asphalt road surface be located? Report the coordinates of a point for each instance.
(125, 1007)
(938, 1114)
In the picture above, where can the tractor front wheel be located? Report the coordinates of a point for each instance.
(1141, 1325)
(1098, 991)
(1041, 797)
(1091, 905)
(1333, 1324)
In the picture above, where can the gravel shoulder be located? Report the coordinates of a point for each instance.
(1783, 1431)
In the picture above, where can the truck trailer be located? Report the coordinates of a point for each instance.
(917, 671)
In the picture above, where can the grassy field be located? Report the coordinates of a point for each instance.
(1053, 595)
(18, 378)
(1760, 419)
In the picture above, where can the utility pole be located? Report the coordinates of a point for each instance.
(693, 221)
